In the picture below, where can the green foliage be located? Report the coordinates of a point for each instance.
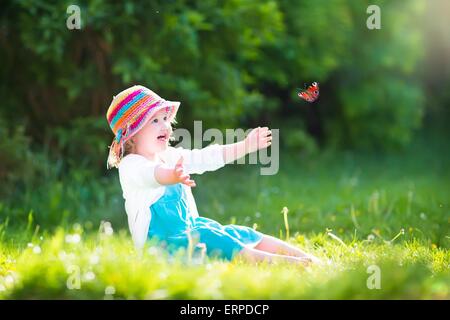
(82, 143)
(230, 63)
(380, 102)
(20, 167)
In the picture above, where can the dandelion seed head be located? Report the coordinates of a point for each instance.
(110, 290)
(158, 294)
(76, 238)
(153, 251)
(9, 280)
(108, 228)
(89, 276)
(94, 259)
(62, 255)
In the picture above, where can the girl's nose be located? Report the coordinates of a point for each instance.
(167, 124)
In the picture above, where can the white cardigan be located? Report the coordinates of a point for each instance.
(140, 188)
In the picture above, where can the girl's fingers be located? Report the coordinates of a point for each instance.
(180, 161)
(184, 177)
(265, 132)
(189, 183)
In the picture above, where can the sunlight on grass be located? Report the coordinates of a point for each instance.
(106, 266)
(359, 214)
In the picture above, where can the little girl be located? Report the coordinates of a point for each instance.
(156, 182)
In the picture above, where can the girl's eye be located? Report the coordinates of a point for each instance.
(155, 120)
(165, 118)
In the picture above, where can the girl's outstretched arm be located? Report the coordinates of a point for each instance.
(166, 175)
(258, 138)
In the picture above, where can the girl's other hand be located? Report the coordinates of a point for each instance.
(258, 138)
(181, 176)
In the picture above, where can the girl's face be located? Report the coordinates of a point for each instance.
(154, 136)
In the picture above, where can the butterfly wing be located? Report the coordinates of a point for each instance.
(313, 91)
(305, 96)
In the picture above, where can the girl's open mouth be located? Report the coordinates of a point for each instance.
(162, 138)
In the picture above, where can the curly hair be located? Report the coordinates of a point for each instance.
(129, 147)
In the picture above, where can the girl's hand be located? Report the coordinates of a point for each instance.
(258, 138)
(181, 176)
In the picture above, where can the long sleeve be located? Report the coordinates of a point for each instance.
(197, 161)
(137, 172)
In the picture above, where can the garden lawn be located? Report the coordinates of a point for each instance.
(380, 221)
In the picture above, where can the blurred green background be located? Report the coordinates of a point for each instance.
(235, 63)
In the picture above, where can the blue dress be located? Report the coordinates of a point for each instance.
(171, 218)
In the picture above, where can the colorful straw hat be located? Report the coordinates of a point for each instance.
(128, 112)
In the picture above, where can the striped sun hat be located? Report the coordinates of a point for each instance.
(128, 112)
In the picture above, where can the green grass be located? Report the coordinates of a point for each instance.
(354, 210)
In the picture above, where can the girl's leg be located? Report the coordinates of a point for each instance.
(253, 255)
(273, 245)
